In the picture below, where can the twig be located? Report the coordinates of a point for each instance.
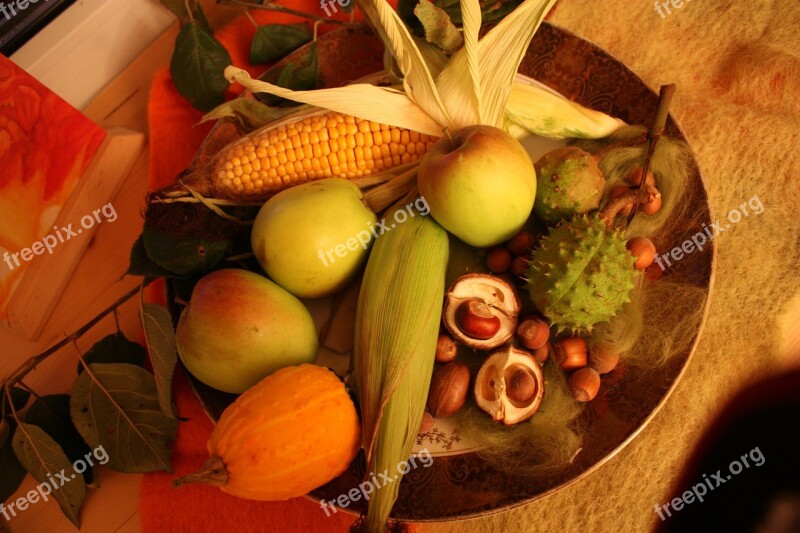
(20, 372)
(316, 28)
(11, 404)
(22, 384)
(633, 198)
(116, 320)
(281, 9)
(656, 130)
(250, 16)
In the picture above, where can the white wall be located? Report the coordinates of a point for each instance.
(90, 43)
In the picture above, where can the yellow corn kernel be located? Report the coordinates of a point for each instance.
(320, 146)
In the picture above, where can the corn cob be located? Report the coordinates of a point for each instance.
(397, 326)
(319, 146)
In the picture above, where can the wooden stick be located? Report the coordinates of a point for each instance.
(656, 130)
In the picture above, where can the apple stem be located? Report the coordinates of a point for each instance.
(447, 134)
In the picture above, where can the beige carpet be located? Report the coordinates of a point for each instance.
(737, 67)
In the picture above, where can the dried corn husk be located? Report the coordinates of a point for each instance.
(397, 326)
(498, 56)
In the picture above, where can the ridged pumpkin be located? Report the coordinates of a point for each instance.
(294, 431)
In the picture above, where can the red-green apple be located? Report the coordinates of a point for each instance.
(480, 185)
(240, 327)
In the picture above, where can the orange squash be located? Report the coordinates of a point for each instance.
(294, 431)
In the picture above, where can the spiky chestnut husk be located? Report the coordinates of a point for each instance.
(581, 274)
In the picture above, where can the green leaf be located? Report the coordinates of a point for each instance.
(183, 256)
(250, 113)
(45, 460)
(142, 265)
(273, 42)
(115, 348)
(116, 406)
(51, 413)
(160, 336)
(301, 76)
(197, 67)
(12, 471)
(439, 29)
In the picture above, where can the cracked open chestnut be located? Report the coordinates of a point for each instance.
(481, 311)
(509, 386)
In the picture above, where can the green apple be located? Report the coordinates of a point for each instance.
(313, 238)
(480, 184)
(240, 327)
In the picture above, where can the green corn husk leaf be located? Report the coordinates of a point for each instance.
(397, 326)
(537, 109)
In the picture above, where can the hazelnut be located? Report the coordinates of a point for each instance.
(476, 320)
(604, 360)
(541, 354)
(521, 243)
(652, 207)
(498, 260)
(520, 384)
(570, 353)
(634, 177)
(449, 388)
(533, 333)
(446, 349)
(584, 384)
(615, 192)
(643, 250)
